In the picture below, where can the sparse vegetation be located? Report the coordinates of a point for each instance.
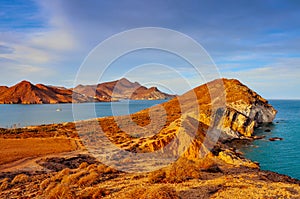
(21, 178)
(181, 170)
(156, 192)
(4, 183)
(93, 193)
(61, 191)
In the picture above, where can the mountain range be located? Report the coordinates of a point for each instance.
(25, 92)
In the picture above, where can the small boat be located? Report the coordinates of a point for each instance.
(58, 109)
(275, 138)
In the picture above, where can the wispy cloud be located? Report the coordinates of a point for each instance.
(279, 80)
(255, 41)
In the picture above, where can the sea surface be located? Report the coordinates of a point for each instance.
(18, 115)
(279, 156)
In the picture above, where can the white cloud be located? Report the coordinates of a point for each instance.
(277, 81)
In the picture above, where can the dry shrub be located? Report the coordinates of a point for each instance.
(180, 171)
(49, 188)
(161, 192)
(62, 173)
(93, 193)
(4, 184)
(157, 176)
(109, 170)
(92, 167)
(205, 163)
(89, 179)
(83, 165)
(101, 168)
(61, 191)
(44, 184)
(136, 192)
(105, 169)
(21, 178)
(73, 178)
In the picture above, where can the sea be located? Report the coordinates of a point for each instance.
(278, 156)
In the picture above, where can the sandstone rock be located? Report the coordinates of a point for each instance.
(193, 123)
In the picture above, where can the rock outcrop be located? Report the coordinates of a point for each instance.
(190, 125)
(187, 127)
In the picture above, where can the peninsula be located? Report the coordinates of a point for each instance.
(58, 161)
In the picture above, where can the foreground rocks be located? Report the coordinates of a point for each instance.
(192, 134)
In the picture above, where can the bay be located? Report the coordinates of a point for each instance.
(278, 156)
(18, 115)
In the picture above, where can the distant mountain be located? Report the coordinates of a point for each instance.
(27, 93)
(121, 89)
(3, 88)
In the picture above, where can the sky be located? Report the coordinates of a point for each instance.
(257, 42)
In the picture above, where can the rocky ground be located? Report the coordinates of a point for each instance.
(190, 140)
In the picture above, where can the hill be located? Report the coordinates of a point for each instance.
(183, 148)
(27, 93)
(121, 89)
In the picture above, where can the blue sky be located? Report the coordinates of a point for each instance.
(257, 42)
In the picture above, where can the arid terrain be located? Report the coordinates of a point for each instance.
(27, 93)
(199, 130)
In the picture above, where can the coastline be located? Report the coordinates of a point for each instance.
(217, 180)
(202, 165)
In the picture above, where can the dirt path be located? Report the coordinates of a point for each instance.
(22, 154)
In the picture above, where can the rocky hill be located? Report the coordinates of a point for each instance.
(183, 148)
(3, 88)
(121, 89)
(232, 113)
(27, 93)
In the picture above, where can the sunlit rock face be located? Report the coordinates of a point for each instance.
(190, 125)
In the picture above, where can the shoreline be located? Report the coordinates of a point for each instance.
(221, 179)
(66, 131)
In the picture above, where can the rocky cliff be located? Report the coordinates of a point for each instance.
(187, 127)
(192, 124)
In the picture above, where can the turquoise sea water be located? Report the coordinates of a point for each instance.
(279, 156)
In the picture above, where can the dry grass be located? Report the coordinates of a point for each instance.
(181, 171)
(45, 183)
(4, 184)
(73, 178)
(77, 183)
(21, 178)
(157, 192)
(93, 193)
(88, 180)
(16, 149)
(61, 191)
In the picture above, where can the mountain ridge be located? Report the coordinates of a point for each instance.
(25, 92)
